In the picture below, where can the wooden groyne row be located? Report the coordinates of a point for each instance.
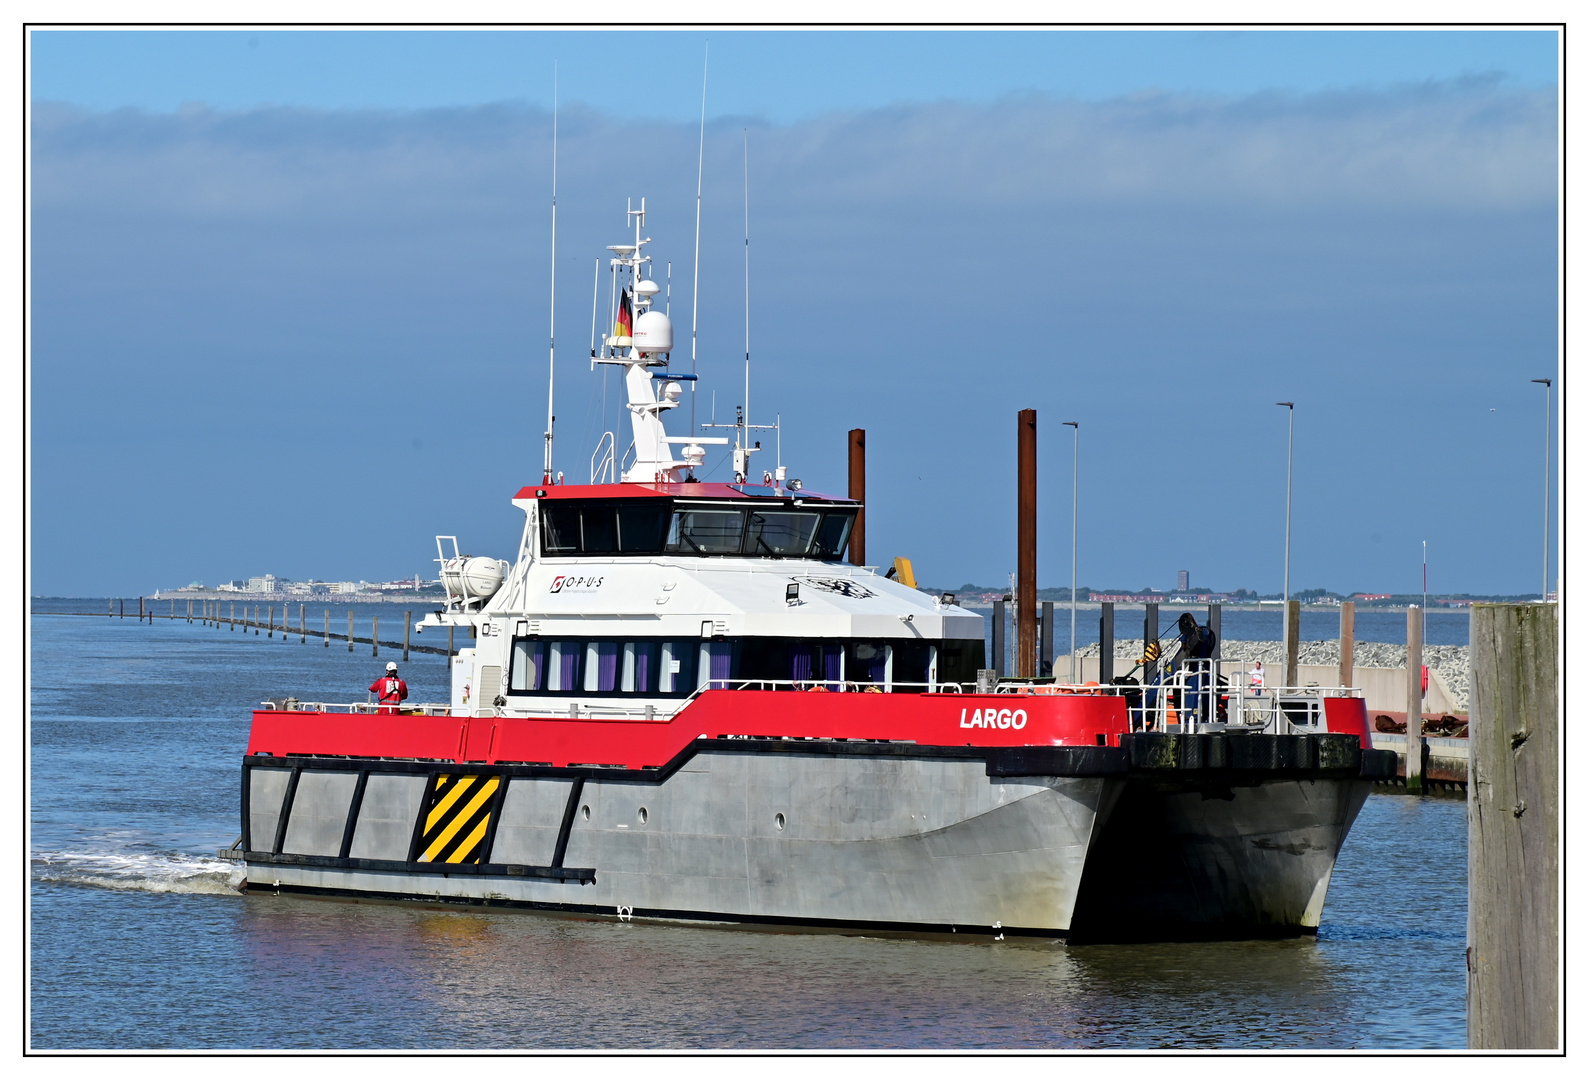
(221, 613)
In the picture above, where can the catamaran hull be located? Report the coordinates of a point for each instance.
(926, 839)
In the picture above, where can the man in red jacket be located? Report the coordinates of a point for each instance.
(389, 690)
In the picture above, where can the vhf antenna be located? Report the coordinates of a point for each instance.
(695, 303)
(747, 287)
(551, 364)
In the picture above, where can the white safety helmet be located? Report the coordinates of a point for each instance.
(391, 665)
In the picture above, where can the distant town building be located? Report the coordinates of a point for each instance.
(1183, 580)
(264, 584)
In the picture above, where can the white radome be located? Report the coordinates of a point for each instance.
(653, 333)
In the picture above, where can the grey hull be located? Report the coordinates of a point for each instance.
(819, 839)
(1163, 838)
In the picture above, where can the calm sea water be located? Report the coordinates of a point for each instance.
(139, 940)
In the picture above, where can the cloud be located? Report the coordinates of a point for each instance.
(1161, 266)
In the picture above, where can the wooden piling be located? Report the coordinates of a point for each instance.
(1026, 544)
(1415, 742)
(190, 611)
(1348, 640)
(408, 624)
(350, 629)
(1106, 642)
(449, 647)
(270, 615)
(231, 624)
(173, 615)
(998, 638)
(328, 628)
(256, 620)
(1045, 639)
(1215, 626)
(303, 634)
(1514, 779)
(1293, 639)
(858, 493)
(1150, 634)
(375, 635)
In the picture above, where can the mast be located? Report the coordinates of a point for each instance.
(700, 169)
(747, 288)
(551, 363)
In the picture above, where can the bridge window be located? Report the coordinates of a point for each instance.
(779, 533)
(706, 532)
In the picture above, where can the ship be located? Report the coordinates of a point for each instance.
(683, 699)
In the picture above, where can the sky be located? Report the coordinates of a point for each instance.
(289, 290)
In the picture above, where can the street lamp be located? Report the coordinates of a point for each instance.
(1291, 413)
(1544, 591)
(1075, 473)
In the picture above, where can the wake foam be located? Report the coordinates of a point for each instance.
(154, 871)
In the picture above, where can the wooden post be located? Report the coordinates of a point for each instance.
(375, 635)
(270, 615)
(256, 620)
(1348, 640)
(858, 493)
(1514, 787)
(328, 629)
(1216, 626)
(231, 624)
(1045, 649)
(408, 624)
(190, 612)
(350, 629)
(449, 647)
(1106, 642)
(998, 638)
(110, 609)
(1150, 634)
(1414, 699)
(1026, 544)
(1293, 639)
(303, 634)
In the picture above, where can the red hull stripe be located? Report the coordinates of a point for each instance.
(927, 719)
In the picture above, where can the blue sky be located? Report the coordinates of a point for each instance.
(776, 76)
(289, 290)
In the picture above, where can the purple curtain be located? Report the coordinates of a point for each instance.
(536, 658)
(721, 655)
(569, 675)
(800, 663)
(643, 662)
(607, 665)
(877, 666)
(831, 657)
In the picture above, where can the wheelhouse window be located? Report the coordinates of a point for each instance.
(656, 526)
(706, 532)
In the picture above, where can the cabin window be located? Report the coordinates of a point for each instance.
(706, 532)
(559, 529)
(867, 662)
(529, 665)
(599, 530)
(959, 659)
(911, 659)
(602, 666)
(780, 533)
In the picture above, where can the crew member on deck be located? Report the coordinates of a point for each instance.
(389, 690)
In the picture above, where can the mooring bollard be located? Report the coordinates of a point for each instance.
(1414, 699)
(1514, 791)
(375, 635)
(350, 629)
(408, 624)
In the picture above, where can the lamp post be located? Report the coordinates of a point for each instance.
(1075, 474)
(1544, 590)
(1291, 413)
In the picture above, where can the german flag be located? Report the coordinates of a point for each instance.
(625, 327)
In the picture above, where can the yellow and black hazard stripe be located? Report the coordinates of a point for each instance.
(458, 819)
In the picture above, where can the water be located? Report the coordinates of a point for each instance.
(139, 940)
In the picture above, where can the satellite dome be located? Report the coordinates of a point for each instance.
(653, 332)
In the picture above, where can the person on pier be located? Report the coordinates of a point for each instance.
(389, 690)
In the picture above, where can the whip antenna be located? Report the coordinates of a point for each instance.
(747, 286)
(700, 167)
(551, 364)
